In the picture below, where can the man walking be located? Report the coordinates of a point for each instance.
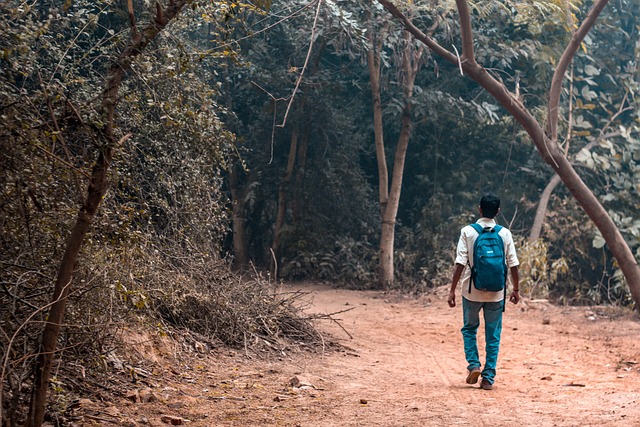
(491, 302)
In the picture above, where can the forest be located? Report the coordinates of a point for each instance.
(168, 163)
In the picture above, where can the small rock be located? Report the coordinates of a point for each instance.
(170, 419)
(177, 405)
(363, 401)
(546, 321)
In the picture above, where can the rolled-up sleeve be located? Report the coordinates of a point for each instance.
(510, 250)
(462, 252)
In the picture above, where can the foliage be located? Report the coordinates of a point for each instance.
(462, 143)
(350, 263)
(328, 198)
(538, 273)
(165, 205)
(428, 245)
(607, 83)
(591, 277)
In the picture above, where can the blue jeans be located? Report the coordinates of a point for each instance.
(492, 312)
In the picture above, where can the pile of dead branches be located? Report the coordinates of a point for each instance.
(174, 290)
(235, 310)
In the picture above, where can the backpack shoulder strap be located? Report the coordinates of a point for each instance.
(497, 228)
(477, 227)
(479, 230)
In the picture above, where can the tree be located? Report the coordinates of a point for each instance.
(389, 190)
(544, 138)
(599, 102)
(140, 39)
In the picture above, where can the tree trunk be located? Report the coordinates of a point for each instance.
(95, 192)
(303, 146)
(373, 63)
(239, 221)
(385, 266)
(390, 212)
(541, 211)
(55, 317)
(390, 198)
(545, 141)
(282, 197)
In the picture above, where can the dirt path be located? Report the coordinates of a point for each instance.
(404, 366)
(556, 368)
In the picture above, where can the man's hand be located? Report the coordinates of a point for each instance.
(452, 298)
(457, 272)
(514, 297)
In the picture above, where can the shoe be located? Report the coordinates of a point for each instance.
(473, 375)
(486, 385)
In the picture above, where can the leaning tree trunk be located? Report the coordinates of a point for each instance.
(95, 192)
(543, 204)
(545, 140)
(541, 210)
(57, 309)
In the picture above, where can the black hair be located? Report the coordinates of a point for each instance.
(489, 203)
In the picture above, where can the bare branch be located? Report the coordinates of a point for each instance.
(478, 73)
(563, 65)
(431, 44)
(467, 33)
(304, 67)
(159, 14)
(132, 18)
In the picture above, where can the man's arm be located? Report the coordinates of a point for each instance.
(459, 268)
(515, 279)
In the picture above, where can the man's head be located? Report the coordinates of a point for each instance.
(489, 205)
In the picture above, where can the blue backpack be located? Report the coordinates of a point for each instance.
(489, 270)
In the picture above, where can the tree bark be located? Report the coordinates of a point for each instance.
(239, 220)
(373, 63)
(303, 146)
(541, 210)
(282, 196)
(385, 263)
(390, 213)
(390, 198)
(95, 192)
(545, 142)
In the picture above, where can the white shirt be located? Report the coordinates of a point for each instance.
(468, 236)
